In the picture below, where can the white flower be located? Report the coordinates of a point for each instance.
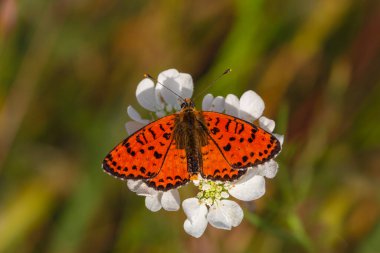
(222, 213)
(211, 204)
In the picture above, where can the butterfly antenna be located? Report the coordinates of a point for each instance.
(175, 93)
(208, 86)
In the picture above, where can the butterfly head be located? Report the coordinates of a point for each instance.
(187, 103)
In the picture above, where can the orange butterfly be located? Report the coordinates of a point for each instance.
(168, 152)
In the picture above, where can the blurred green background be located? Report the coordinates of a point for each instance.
(69, 69)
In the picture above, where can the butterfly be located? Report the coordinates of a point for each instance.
(170, 151)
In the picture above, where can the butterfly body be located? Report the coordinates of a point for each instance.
(168, 152)
(190, 133)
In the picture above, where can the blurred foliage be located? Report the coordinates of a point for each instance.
(68, 70)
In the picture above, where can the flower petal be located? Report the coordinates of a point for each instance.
(207, 101)
(186, 82)
(169, 78)
(218, 218)
(145, 94)
(280, 138)
(232, 105)
(218, 104)
(169, 73)
(249, 187)
(196, 221)
(170, 200)
(133, 126)
(251, 106)
(169, 108)
(233, 211)
(158, 97)
(267, 124)
(141, 188)
(196, 228)
(268, 169)
(133, 114)
(194, 209)
(152, 202)
(134, 185)
(160, 114)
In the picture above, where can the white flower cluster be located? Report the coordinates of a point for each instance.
(211, 205)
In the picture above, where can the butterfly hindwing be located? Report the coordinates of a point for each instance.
(242, 143)
(141, 155)
(215, 166)
(173, 172)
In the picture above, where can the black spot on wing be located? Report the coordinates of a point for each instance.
(139, 140)
(215, 130)
(241, 129)
(228, 125)
(227, 147)
(166, 136)
(143, 135)
(157, 155)
(152, 133)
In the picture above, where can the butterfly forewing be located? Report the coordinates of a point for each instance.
(142, 154)
(242, 144)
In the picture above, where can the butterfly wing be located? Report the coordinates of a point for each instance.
(241, 143)
(215, 165)
(142, 155)
(173, 172)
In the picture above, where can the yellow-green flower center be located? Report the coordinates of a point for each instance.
(211, 191)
